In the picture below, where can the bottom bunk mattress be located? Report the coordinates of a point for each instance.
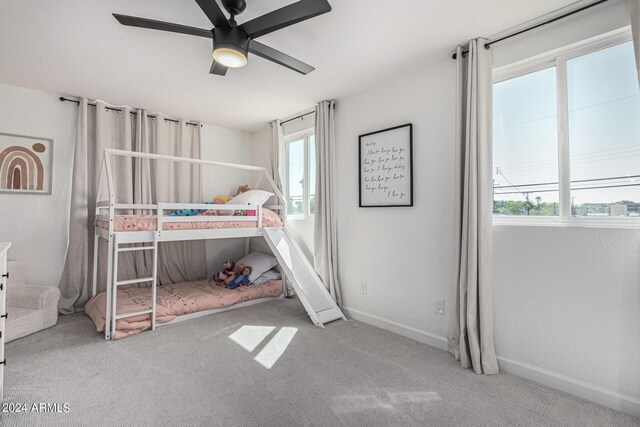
(172, 301)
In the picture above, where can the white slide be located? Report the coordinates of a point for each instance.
(309, 288)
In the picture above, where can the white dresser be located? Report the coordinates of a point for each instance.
(4, 248)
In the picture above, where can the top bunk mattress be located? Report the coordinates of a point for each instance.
(149, 223)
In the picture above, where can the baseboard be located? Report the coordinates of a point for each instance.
(400, 329)
(614, 400)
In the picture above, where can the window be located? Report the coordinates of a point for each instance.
(300, 174)
(525, 155)
(567, 134)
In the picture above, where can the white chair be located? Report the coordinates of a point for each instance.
(30, 308)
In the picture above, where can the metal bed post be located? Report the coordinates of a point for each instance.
(96, 237)
(154, 283)
(154, 272)
(114, 293)
(279, 195)
(94, 279)
(108, 333)
(107, 320)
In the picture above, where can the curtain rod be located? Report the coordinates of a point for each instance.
(135, 113)
(557, 18)
(301, 116)
(297, 117)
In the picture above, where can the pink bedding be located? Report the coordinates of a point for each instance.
(172, 301)
(149, 223)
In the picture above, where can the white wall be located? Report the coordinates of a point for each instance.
(37, 225)
(566, 300)
(403, 254)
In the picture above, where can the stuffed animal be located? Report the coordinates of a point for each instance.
(221, 200)
(241, 279)
(227, 274)
(186, 212)
(243, 189)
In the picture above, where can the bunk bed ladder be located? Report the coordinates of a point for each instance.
(116, 283)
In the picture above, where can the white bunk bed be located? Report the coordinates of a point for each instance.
(293, 263)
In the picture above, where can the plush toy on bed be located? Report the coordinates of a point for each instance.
(186, 212)
(225, 276)
(241, 279)
(221, 200)
(243, 189)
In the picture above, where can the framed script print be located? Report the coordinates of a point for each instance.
(26, 164)
(386, 167)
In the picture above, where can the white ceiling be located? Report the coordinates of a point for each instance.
(75, 47)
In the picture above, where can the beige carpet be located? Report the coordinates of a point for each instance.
(193, 374)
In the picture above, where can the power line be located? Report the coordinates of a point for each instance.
(498, 171)
(577, 189)
(572, 182)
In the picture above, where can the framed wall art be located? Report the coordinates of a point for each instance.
(386, 167)
(26, 164)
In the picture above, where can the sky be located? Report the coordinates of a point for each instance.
(604, 129)
(296, 166)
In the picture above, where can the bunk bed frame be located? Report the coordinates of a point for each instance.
(106, 210)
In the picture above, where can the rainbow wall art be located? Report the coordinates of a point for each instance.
(25, 164)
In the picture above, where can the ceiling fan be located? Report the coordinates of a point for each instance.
(232, 42)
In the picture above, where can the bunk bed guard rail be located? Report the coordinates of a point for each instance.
(106, 169)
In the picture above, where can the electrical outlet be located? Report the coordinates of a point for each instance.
(363, 288)
(438, 304)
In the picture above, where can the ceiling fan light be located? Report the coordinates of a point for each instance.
(229, 57)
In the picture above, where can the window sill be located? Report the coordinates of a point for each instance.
(626, 223)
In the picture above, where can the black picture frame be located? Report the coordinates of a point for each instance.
(369, 202)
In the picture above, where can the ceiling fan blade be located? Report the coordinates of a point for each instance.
(213, 12)
(218, 69)
(283, 17)
(133, 21)
(278, 57)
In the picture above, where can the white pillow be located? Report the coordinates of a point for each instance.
(259, 263)
(251, 197)
(266, 277)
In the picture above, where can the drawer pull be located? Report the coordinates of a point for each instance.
(4, 315)
(6, 275)
(4, 362)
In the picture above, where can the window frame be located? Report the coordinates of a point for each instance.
(306, 193)
(558, 58)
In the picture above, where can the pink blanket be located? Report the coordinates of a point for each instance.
(172, 301)
(149, 223)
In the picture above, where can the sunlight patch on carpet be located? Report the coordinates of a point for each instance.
(250, 337)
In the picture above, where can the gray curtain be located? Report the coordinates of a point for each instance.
(177, 183)
(634, 14)
(325, 239)
(99, 128)
(471, 324)
(275, 140)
